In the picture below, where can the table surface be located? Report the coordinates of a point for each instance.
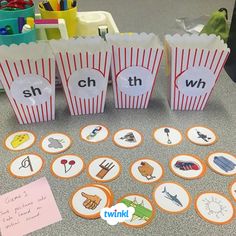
(220, 114)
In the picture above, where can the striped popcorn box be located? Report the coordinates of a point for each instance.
(27, 73)
(195, 63)
(135, 63)
(84, 65)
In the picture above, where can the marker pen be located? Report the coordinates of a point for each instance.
(26, 28)
(3, 31)
(30, 22)
(47, 5)
(73, 4)
(62, 5)
(21, 23)
(9, 29)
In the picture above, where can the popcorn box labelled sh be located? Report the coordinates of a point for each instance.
(27, 73)
(135, 63)
(194, 65)
(83, 64)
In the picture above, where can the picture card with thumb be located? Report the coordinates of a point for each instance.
(26, 209)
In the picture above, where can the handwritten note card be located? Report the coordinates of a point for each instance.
(27, 209)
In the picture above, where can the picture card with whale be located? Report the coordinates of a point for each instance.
(28, 208)
(172, 197)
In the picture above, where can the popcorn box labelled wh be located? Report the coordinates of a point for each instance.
(83, 65)
(135, 63)
(194, 65)
(27, 73)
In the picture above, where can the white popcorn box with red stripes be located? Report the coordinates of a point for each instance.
(84, 65)
(27, 73)
(194, 64)
(135, 64)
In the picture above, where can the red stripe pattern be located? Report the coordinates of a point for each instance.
(12, 70)
(68, 63)
(123, 58)
(182, 60)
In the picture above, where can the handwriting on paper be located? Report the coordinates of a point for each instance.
(26, 209)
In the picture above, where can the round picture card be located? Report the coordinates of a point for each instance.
(19, 140)
(232, 189)
(67, 166)
(222, 163)
(104, 169)
(94, 133)
(88, 200)
(128, 138)
(56, 143)
(171, 197)
(168, 136)
(201, 135)
(26, 165)
(214, 208)
(146, 170)
(144, 210)
(187, 166)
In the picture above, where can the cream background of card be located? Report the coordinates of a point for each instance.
(157, 172)
(144, 74)
(94, 168)
(25, 82)
(161, 136)
(66, 142)
(217, 168)
(139, 199)
(233, 190)
(23, 145)
(87, 92)
(142, 40)
(186, 173)
(124, 143)
(78, 200)
(189, 75)
(36, 165)
(101, 135)
(173, 189)
(59, 169)
(201, 205)
(192, 135)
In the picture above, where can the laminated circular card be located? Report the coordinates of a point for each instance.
(135, 63)
(27, 73)
(83, 65)
(194, 63)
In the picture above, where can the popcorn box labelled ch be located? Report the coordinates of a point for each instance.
(83, 65)
(135, 63)
(194, 65)
(27, 73)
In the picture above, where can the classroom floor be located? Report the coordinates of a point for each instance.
(220, 115)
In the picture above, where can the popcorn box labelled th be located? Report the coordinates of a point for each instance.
(83, 65)
(135, 63)
(27, 73)
(194, 64)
